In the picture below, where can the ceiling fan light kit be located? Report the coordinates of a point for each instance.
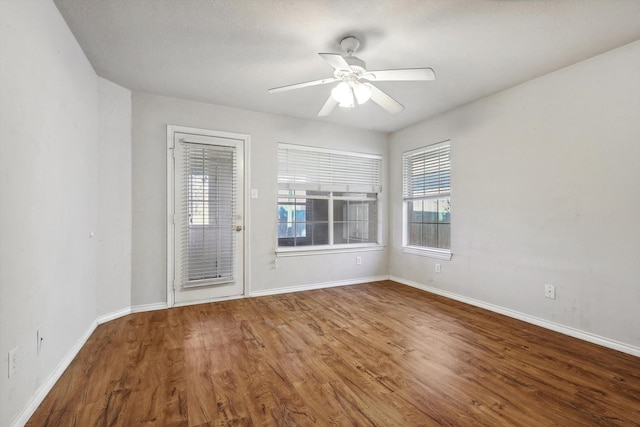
(347, 94)
(354, 87)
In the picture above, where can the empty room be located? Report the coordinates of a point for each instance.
(319, 212)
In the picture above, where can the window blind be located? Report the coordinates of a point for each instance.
(209, 209)
(427, 172)
(309, 168)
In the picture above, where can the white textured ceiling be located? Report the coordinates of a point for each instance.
(229, 52)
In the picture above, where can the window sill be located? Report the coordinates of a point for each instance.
(428, 252)
(318, 250)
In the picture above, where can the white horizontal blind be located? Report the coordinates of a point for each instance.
(427, 172)
(209, 209)
(307, 168)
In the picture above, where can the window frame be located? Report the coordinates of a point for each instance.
(438, 193)
(330, 191)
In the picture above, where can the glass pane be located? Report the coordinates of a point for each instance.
(444, 210)
(430, 235)
(300, 229)
(362, 232)
(371, 211)
(371, 232)
(285, 229)
(415, 234)
(284, 211)
(430, 211)
(299, 234)
(444, 236)
(286, 241)
(340, 231)
(355, 231)
(319, 210)
(415, 211)
(339, 210)
(356, 211)
(320, 234)
(210, 194)
(197, 213)
(300, 211)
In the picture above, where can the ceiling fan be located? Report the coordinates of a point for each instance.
(355, 85)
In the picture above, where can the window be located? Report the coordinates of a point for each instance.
(427, 201)
(327, 198)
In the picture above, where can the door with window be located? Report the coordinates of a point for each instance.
(207, 217)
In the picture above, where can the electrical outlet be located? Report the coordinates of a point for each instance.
(550, 291)
(437, 268)
(39, 338)
(358, 260)
(13, 361)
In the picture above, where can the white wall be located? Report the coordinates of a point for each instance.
(48, 180)
(545, 189)
(114, 204)
(151, 115)
(65, 194)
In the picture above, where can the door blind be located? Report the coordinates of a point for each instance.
(427, 172)
(208, 238)
(306, 168)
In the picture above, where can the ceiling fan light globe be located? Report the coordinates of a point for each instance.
(344, 96)
(341, 92)
(362, 92)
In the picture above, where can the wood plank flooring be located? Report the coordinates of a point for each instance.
(378, 354)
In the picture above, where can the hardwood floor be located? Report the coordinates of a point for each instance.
(374, 354)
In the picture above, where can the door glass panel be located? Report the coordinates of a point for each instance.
(210, 237)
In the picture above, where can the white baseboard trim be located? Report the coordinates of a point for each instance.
(129, 310)
(114, 315)
(45, 388)
(148, 307)
(301, 288)
(206, 301)
(566, 330)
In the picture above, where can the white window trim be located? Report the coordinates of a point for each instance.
(428, 252)
(291, 251)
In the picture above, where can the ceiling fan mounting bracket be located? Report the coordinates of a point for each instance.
(350, 44)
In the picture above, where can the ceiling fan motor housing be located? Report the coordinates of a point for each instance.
(356, 64)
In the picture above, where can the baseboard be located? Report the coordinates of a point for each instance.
(148, 307)
(566, 330)
(128, 310)
(114, 315)
(301, 288)
(46, 387)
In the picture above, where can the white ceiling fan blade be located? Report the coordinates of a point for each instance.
(301, 85)
(385, 101)
(328, 107)
(407, 74)
(336, 61)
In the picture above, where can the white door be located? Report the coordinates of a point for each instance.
(208, 196)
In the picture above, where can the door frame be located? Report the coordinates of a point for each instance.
(246, 141)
